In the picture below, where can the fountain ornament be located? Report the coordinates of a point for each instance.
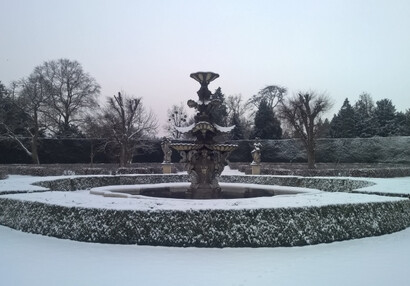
(205, 158)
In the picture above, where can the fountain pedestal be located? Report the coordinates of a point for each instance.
(205, 158)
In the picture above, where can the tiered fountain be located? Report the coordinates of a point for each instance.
(205, 158)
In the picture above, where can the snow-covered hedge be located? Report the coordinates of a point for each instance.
(330, 150)
(208, 228)
(3, 175)
(380, 172)
(325, 184)
(79, 169)
(81, 183)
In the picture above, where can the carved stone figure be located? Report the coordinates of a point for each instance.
(166, 149)
(256, 152)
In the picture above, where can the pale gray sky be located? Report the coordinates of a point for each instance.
(149, 48)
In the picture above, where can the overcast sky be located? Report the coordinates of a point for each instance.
(149, 48)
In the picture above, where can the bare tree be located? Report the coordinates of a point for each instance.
(30, 103)
(303, 112)
(238, 115)
(72, 91)
(127, 122)
(273, 95)
(177, 117)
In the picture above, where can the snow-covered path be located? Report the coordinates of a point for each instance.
(27, 259)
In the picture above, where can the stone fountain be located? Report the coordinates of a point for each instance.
(205, 158)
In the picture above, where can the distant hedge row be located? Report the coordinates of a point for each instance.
(351, 150)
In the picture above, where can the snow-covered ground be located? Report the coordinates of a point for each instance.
(28, 259)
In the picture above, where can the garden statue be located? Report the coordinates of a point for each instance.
(205, 158)
(256, 152)
(166, 164)
(256, 156)
(165, 146)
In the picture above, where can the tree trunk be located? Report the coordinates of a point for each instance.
(123, 156)
(34, 150)
(311, 157)
(92, 154)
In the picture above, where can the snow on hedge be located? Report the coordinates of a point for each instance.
(208, 227)
(285, 220)
(143, 203)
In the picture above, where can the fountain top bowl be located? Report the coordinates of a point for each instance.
(204, 78)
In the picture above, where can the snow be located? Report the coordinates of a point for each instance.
(28, 259)
(224, 129)
(185, 129)
(310, 197)
(400, 186)
(84, 199)
(227, 171)
(35, 260)
(20, 183)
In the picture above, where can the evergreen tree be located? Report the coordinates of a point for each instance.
(400, 121)
(267, 126)
(385, 115)
(3, 91)
(364, 116)
(238, 132)
(323, 128)
(219, 113)
(343, 124)
(406, 124)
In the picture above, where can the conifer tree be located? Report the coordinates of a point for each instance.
(219, 113)
(343, 124)
(385, 115)
(364, 116)
(267, 126)
(237, 133)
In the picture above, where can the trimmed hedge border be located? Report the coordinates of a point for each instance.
(3, 175)
(324, 184)
(208, 228)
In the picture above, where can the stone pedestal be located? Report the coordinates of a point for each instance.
(256, 169)
(166, 168)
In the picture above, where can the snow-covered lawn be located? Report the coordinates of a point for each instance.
(28, 259)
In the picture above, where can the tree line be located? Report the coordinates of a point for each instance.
(272, 114)
(60, 100)
(365, 119)
(260, 116)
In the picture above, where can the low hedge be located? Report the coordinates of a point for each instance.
(3, 175)
(208, 228)
(324, 184)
